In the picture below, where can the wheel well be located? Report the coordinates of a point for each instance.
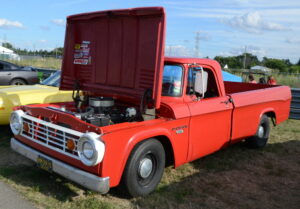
(19, 79)
(165, 141)
(272, 116)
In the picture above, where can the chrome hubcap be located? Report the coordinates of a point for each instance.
(145, 168)
(261, 132)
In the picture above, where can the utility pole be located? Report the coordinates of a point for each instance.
(197, 41)
(245, 57)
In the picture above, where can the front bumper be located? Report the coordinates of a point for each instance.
(83, 178)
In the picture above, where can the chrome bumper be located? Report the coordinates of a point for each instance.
(83, 178)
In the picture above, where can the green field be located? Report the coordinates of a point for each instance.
(47, 62)
(236, 177)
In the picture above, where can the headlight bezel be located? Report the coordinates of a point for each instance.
(18, 114)
(98, 149)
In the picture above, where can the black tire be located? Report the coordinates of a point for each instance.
(137, 179)
(17, 81)
(261, 137)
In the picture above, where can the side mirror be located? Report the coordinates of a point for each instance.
(200, 85)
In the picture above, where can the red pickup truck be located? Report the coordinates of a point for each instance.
(136, 111)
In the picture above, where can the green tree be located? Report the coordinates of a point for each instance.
(294, 69)
(278, 64)
(8, 45)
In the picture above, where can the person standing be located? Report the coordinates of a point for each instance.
(251, 79)
(271, 80)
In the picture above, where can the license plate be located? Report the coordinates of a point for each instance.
(44, 164)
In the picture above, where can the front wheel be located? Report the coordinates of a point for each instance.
(261, 137)
(144, 168)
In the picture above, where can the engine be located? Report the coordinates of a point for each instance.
(102, 111)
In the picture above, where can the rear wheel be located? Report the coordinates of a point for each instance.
(17, 81)
(261, 137)
(144, 168)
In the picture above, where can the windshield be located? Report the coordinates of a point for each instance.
(52, 80)
(172, 79)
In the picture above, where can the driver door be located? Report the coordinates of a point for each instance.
(210, 121)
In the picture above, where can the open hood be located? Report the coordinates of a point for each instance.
(118, 53)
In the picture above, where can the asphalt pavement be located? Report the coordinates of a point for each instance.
(10, 199)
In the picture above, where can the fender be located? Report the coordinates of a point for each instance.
(127, 143)
(141, 136)
(266, 111)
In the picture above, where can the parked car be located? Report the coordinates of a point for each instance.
(11, 74)
(46, 92)
(143, 111)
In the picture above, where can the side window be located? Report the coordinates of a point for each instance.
(6, 67)
(172, 80)
(1, 66)
(212, 87)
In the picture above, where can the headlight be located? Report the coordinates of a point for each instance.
(16, 122)
(90, 149)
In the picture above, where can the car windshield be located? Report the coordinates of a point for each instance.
(52, 80)
(172, 78)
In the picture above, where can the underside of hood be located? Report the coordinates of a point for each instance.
(118, 53)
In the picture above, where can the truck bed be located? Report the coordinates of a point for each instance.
(237, 87)
(252, 100)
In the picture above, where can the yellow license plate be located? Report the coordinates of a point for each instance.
(44, 164)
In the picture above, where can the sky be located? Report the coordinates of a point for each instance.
(223, 27)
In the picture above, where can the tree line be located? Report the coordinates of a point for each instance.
(244, 61)
(56, 52)
(247, 60)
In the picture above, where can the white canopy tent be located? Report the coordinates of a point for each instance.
(8, 53)
(260, 68)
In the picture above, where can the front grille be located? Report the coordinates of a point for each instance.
(50, 135)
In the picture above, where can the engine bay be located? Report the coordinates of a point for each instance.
(102, 111)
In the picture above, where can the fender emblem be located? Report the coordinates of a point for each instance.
(179, 129)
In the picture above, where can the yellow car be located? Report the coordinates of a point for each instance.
(46, 92)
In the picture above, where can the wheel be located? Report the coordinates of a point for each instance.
(17, 81)
(144, 168)
(261, 137)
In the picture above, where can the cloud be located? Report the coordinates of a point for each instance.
(45, 27)
(253, 22)
(254, 50)
(7, 24)
(292, 41)
(178, 51)
(43, 41)
(59, 22)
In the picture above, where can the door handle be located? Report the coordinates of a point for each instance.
(225, 102)
(8, 73)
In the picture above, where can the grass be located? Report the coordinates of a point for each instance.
(292, 80)
(289, 80)
(236, 177)
(40, 62)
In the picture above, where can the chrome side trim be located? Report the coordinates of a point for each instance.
(83, 178)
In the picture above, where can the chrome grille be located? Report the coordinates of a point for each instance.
(50, 135)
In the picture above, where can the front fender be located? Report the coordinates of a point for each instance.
(120, 144)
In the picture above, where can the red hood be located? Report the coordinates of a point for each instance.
(118, 52)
